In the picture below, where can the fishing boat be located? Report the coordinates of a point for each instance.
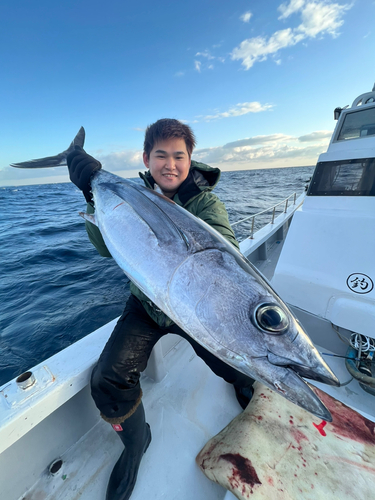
(318, 255)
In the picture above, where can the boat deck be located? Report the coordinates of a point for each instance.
(185, 409)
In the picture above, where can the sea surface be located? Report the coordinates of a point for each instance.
(55, 288)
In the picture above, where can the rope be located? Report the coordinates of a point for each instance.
(362, 343)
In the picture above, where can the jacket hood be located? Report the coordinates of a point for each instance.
(201, 178)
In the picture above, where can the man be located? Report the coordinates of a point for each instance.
(115, 383)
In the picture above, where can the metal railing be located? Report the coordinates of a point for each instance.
(286, 201)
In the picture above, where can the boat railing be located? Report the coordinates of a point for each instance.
(272, 209)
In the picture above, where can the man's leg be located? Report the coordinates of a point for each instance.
(115, 385)
(117, 393)
(135, 435)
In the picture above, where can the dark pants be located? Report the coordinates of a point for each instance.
(115, 385)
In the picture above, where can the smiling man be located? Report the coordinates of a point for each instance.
(169, 164)
(115, 385)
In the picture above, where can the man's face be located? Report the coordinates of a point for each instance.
(169, 164)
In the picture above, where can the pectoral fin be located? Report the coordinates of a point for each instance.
(88, 217)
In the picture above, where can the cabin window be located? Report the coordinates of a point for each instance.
(344, 178)
(357, 124)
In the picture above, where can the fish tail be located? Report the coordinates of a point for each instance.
(54, 161)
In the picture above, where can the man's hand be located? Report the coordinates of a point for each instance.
(81, 167)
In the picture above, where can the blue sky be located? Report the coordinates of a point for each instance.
(257, 81)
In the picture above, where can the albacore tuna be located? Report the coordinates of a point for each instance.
(204, 285)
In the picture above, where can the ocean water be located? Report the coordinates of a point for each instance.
(55, 288)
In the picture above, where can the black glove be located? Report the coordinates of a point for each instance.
(81, 167)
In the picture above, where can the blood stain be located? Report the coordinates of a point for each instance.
(346, 422)
(243, 470)
(298, 436)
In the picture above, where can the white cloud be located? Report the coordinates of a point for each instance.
(205, 54)
(179, 74)
(129, 159)
(240, 109)
(293, 6)
(264, 150)
(246, 17)
(266, 153)
(206, 63)
(10, 176)
(318, 17)
(206, 57)
(316, 136)
(258, 48)
(258, 139)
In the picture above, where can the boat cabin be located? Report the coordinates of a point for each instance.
(326, 271)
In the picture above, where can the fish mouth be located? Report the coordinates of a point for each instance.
(289, 384)
(319, 374)
(309, 400)
(319, 371)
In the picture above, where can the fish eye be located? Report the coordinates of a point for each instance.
(271, 318)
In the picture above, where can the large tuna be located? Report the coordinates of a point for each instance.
(204, 285)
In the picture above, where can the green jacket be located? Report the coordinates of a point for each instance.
(195, 195)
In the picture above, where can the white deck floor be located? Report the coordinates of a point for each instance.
(185, 409)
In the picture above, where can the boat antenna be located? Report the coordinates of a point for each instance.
(373, 88)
